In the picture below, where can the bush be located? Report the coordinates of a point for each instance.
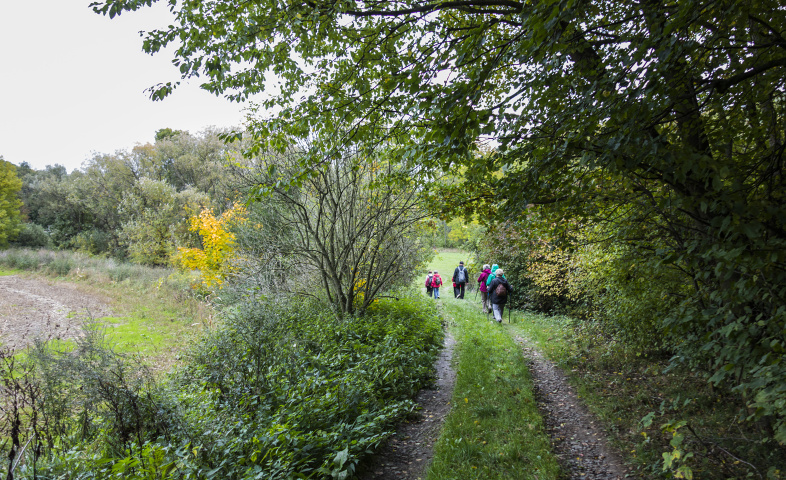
(92, 241)
(32, 236)
(60, 266)
(284, 389)
(19, 259)
(322, 390)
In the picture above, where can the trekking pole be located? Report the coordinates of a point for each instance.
(509, 309)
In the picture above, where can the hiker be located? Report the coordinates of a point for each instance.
(436, 282)
(484, 290)
(491, 278)
(429, 277)
(460, 278)
(498, 294)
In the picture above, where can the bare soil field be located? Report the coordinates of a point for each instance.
(32, 308)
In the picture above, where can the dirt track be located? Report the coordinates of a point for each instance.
(35, 308)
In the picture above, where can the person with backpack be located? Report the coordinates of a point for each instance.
(436, 282)
(429, 277)
(498, 294)
(491, 278)
(460, 278)
(484, 290)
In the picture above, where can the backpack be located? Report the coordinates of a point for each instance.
(462, 276)
(429, 279)
(501, 291)
(436, 282)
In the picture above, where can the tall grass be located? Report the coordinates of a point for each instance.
(79, 266)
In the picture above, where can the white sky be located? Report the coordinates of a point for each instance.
(73, 83)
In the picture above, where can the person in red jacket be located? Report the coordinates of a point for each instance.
(436, 282)
(484, 289)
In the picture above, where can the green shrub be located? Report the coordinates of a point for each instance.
(19, 259)
(276, 389)
(32, 236)
(60, 266)
(92, 241)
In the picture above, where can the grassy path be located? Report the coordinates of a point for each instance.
(494, 429)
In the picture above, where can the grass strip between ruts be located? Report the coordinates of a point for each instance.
(494, 429)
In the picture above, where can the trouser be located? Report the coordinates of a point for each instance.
(458, 290)
(498, 310)
(428, 291)
(436, 292)
(484, 297)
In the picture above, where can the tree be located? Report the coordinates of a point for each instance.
(662, 122)
(215, 258)
(155, 220)
(347, 231)
(10, 216)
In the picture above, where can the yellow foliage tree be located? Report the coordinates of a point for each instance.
(213, 260)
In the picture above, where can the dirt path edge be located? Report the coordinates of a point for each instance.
(411, 448)
(577, 437)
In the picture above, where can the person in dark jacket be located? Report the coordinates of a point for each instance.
(497, 299)
(484, 290)
(460, 279)
(429, 288)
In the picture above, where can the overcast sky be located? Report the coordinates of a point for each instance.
(73, 83)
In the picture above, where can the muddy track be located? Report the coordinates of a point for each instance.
(409, 451)
(33, 309)
(576, 435)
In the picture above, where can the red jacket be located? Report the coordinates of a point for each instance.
(436, 281)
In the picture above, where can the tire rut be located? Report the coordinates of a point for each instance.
(578, 440)
(33, 309)
(411, 448)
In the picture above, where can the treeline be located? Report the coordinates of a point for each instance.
(131, 204)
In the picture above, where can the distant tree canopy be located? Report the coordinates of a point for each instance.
(659, 125)
(132, 203)
(10, 215)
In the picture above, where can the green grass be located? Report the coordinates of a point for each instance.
(155, 323)
(154, 309)
(446, 262)
(5, 272)
(494, 429)
(146, 335)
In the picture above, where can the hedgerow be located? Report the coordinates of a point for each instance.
(276, 390)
